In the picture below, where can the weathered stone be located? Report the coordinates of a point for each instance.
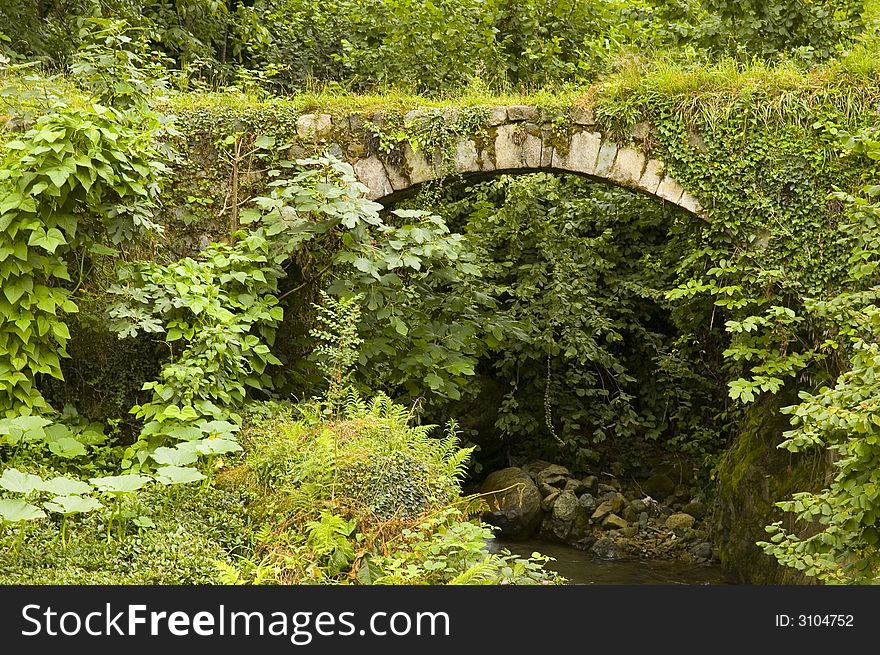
(695, 508)
(535, 467)
(451, 115)
(641, 130)
(628, 166)
(607, 155)
(335, 150)
(356, 123)
(588, 502)
(591, 482)
(466, 156)
(557, 481)
(417, 116)
(638, 506)
(582, 154)
(670, 190)
(522, 113)
(547, 490)
(614, 522)
(695, 140)
(575, 486)
(546, 151)
(314, 127)
(514, 501)
(658, 486)
(487, 161)
(397, 178)
(419, 168)
(650, 179)
(702, 550)
(679, 521)
(566, 507)
(497, 116)
(606, 549)
(690, 203)
(581, 116)
(630, 531)
(549, 499)
(553, 471)
(612, 505)
(372, 173)
(532, 149)
(508, 147)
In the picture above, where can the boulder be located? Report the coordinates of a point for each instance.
(514, 501)
(695, 508)
(702, 550)
(591, 484)
(314, 127)
(549, 499)
(566, 507)
(658, 486)
(547, 490)
(614, 504)
(679, 521)
(638, 506)
(614, 522)
(606, 549)
(567, 521)
(588, 503)
(554, 475)
(535, 467)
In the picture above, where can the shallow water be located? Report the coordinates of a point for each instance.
(580, 567)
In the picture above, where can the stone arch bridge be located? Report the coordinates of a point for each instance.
(485, 141)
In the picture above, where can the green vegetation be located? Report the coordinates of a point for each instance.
(219, 359)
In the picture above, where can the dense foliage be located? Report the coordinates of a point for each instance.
(438, 45)
(556, 317)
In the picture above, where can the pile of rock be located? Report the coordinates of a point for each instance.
(612, 521)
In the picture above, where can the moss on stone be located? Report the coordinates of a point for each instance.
(754, 475)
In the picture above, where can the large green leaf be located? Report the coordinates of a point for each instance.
(72, 505)
(62, 486)
(13, 510)
(120, 483)
(20, 483)
(169, 475)
(174, 456)
(67, 447)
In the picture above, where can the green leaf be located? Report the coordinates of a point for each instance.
(20, 483)
(120, 483)
(170, 475)
(63, 486)
(174, 456)
(15, 510)
(67, 447)
(72, 505)
(264, 142)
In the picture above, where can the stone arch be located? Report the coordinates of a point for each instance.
(515, 139)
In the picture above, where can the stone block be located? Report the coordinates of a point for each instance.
(628, 166)
(372, 173)
(607, 155)
(314, 127)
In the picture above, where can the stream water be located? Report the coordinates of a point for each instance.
(580, 567)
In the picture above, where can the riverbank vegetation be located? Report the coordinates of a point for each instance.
(220, 362)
